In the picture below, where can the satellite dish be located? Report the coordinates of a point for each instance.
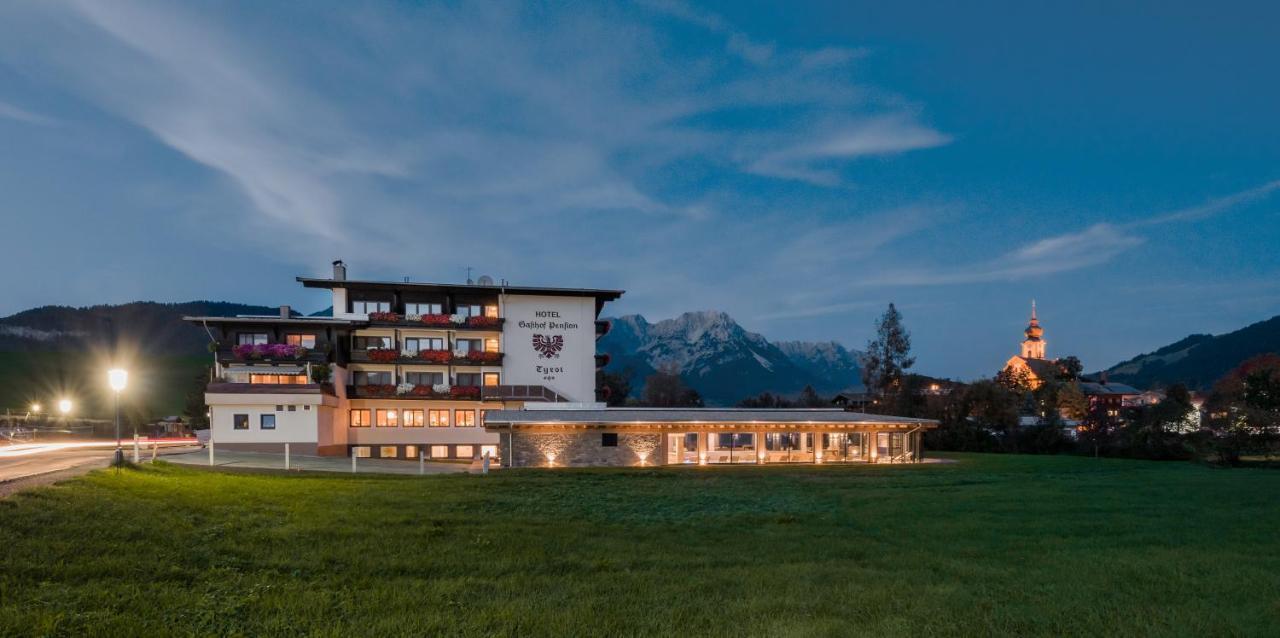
(484, 280)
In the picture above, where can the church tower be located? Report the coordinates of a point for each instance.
(1033, 345)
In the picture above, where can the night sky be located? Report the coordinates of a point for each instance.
(797, 168)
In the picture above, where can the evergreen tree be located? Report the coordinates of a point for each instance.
(888, 355)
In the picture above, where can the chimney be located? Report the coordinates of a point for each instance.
(339, 271)
(285, 312)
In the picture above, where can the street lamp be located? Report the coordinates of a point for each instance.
(64, 406)
(118, 378)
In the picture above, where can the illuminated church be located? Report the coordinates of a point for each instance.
(1032, 362)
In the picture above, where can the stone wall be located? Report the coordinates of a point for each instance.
(582, 449)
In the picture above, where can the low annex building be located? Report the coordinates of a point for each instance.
(409, 370)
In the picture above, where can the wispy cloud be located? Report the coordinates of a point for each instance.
(22, 115)
(883, 135)
(1213, 206)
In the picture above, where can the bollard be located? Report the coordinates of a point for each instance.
(485, 468)
(210, 451)
(154, 446)
(422, 466)
(353, 461)
(286, 457)
(137, 454)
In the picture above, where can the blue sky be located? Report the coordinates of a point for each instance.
(796, 168)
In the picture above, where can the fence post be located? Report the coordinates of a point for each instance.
(485, 467)
(422, 462)
(211, 450)
(137, 454)
(353, 461)
(286, 456)
(155, 445)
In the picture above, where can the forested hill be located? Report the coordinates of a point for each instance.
(1198, 360)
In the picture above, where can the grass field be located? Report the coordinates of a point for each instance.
(993, 544)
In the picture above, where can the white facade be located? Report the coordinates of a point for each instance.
(551, 341)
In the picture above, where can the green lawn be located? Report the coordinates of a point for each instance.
(993, 544)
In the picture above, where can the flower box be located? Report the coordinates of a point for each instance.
(434, 356)
(375, 390)
(383, 355)
(384, 317)
(483, 322)
(269, 351)
(436, 320)
(479, 358)
(464, 392)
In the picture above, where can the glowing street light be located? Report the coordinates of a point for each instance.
(117, 379)
(35, 408)
(64, 406)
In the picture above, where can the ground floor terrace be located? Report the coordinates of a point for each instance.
(655, 436)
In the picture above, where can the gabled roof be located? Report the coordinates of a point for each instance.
(1090, 387)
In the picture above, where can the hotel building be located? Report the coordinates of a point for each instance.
(459, 371)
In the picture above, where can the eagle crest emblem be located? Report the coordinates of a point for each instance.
(548, 347)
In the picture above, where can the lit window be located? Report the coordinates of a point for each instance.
(463, 451)
(386, 418)
(414, 418)
(490, 345)
(387, 452)
(491, 379)
(278, 379)
(464, 418)
(361, 451)
(267, 421)
(306, 341)
(240, 421)
(410, 451)
(491, 311)
(360, 418)
(439, 451)
(490, 450)
(438, 419)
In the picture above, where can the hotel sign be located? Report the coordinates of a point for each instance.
(551, 341)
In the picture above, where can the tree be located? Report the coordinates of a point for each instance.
(1071, 368)
(993, 407)
(766, 400)
(888, 355)
(615, 387)
(1244, 411)
(195, 409)
(1072, 403)
(809, 398)
(665, 388)
(1016, 380)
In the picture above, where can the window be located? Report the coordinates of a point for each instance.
(490, 451)
(366, 306)
(470, 309)
(361, 451)
(278, 379)
(438, 419)
(240, 421)
(386, 418)
(419, 344)
(293, 408)
(733, 441)
(252, 338)
(360, 418)
(490, 345)
(424, 378)
(371, 343)
(423, 309)
(279, 408)
(463, 451)
(439, 451)
(414, 418)
(483, 414)
(468, 378)
(491, 310)
(410, 451)
(366, 377)
(307, 408)
(490, 379)
(387, 452)
(464, 418)
(306, 341)
(267, 421)
(609, 439)
(468, 345)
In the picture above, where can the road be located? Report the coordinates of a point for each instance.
(24, 465)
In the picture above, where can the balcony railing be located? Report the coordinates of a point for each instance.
(437, 322)
(456, 393)
(269, 388)
(271, 353)
(426, 357)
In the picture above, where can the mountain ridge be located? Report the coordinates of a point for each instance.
(1198, 360)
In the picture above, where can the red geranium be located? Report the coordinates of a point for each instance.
(483, 322)
(383, 355)
(434, 356)
(386, 317)
(465, 392)
(435, 320)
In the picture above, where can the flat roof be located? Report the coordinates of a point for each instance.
(601, 294)
(626, 416)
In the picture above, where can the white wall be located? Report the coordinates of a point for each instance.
(299, 426)
(571, 371)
